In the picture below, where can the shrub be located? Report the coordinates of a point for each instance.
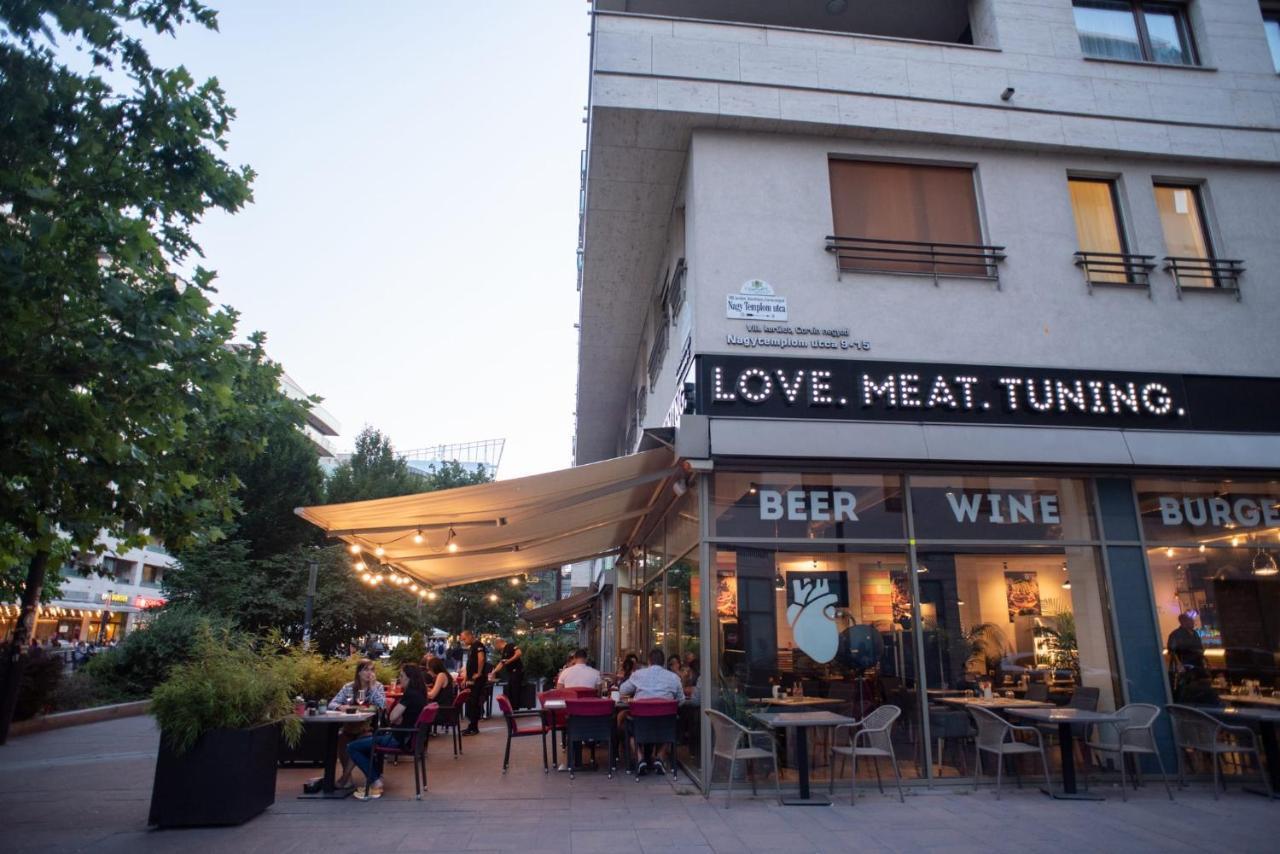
(410, 651)
(315, 677)
(37, 686)
(224, 686)
(143, 660)
(79, 690)
(544, 655)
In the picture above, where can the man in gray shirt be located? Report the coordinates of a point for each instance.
(654, 682)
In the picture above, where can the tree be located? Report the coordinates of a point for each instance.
(485, 607)
(115, 379)
(373, 471)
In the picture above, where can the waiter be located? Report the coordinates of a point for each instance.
(476, 675)
(510, 662)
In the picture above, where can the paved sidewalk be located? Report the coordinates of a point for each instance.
(88, 789)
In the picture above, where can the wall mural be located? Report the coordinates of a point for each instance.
(812, 600)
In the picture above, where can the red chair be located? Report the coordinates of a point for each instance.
(450, 719)
(521, 725)
(415, 746)
(654, 722)
(584, 693)
(557, 719)
(590, 722)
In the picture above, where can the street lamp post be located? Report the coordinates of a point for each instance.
(312, 569)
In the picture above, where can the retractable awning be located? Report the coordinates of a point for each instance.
(564, 610)
(476, 533)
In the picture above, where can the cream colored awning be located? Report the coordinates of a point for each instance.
(502, 528)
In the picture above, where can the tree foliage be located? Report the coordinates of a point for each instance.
(117, 388)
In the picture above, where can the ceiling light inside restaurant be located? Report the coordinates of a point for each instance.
(1066, 585)
(1265, 564)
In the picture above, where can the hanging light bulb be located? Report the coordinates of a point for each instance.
(413, 588)
(379, 551)
(959, 601)
(449, 544)
(1265, 564)
(515, 581)
(417, 537)
(431, 594)
(359, 566)
(422, 594)
(354, 548)
(1168, 552)
(493, 597)
(1202, 548)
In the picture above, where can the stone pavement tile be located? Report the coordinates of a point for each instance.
(602, 841)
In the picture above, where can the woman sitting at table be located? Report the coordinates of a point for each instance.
(405, 714)
(440, 688)
(364, 688)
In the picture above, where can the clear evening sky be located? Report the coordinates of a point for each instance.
(410, 249)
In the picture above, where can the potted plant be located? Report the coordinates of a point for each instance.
(220, 716)
(315, 679)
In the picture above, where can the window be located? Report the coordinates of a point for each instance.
(152, 575)
(1135, 31)
(886, 205)
(1095, 203)
(120, 570)
(1182, 218)
(1271, 25)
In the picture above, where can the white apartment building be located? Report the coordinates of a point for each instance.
(962, 314)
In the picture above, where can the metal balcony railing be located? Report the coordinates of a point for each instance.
(916, 258)
(1217, 275)
(1116, 270)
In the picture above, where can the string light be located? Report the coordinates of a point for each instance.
(515, 581)
(422, 594)
(431, 594)
(417, 537)
(449, 543)
(360, 566)
(493, 597)
(355, 548)
(379, 551)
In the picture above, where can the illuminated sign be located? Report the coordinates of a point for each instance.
(147, 602)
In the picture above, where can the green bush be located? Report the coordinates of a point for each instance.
(315, 677)
(37, 686)
(410, 651)
(142, 661)
(225, 685)
(79, 690)
(544, 655)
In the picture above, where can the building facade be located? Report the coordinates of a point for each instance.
(960, 315)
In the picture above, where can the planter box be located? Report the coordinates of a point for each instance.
(308, 753)
(227, 777)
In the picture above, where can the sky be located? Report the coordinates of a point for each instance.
(410, 248)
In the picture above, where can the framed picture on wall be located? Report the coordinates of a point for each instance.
(1022, 592)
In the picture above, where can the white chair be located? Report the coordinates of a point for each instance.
(998, 736)
(1201, 732)
(731, 740)
(1135, 735)
(871, 736)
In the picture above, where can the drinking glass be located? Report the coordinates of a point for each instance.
(360, 697)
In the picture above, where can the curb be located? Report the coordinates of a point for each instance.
(97, 714)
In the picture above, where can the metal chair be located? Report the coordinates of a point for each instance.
(1201, 732)
(1135, 736)
(415, 746)
(998, 736)
(731, 740)
(950, 726)
(519, 725)
(1038, 691)
(589, 721)
(450, 718)
(873, 738)
(654, 722)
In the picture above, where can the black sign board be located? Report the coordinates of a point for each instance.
(779, 387)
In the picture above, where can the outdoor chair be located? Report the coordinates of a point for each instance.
(998, 736)
(731, 740)
(589, 722)
(450, 719)
(557, 719)
(1135, 736)
(654, 722)
(415, 746)
(1201, 732)
(584, 693)
(872, 736)
(951, 726)
(522, 725)
(1038, 691)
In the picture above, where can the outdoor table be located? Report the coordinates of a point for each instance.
(1251, 700)
(332, 721)
(1066, 719)
(802, 722)
(795, 702)
(559, 705)
(996, 704)
(1266, 719)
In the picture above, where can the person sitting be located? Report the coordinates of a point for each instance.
(579, 674)
(440, 687)
(365, 688)
(654, 682)
(405, 714)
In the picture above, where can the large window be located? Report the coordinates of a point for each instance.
(1271, 24)
(1214, 554)
(1095, 203)
(119, 570)
(894, 208)
(1135, 31)
(1182, 218)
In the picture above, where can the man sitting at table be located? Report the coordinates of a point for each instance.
(654, 682)
(579, 674)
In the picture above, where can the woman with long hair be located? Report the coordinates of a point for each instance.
(405, 714)
(363, 688)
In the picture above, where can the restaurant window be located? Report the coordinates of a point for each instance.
(1002, 508)
(1213, 548)
(152, 575)
(1182, 218)
(893, 208)
(1095, 203)
(1135, 31)
(117, 569)
(683, 612)
(1271, 25)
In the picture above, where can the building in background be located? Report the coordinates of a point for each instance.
(105, 597)
(962, 314)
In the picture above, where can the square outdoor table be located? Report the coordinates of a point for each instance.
(1266, 719)
(1066, 719)
(996, 704)
(801, 722)
(333, 721)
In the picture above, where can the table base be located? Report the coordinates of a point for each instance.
(806, 802)
(1072, 796)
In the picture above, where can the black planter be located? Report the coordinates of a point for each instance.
(308, 753)
(227, 777)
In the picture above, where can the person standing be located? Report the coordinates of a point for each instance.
(510, 662)
(476, 676)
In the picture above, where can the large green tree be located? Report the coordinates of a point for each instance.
(116, 398)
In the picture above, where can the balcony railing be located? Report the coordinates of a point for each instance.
(1205, 275)
(916, 258)
(1116, 270)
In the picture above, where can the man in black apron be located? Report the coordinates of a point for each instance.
(477, 679)
(511, 662)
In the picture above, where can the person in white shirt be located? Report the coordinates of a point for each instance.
(579, 674)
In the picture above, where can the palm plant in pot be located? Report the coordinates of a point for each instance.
(220, 717)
